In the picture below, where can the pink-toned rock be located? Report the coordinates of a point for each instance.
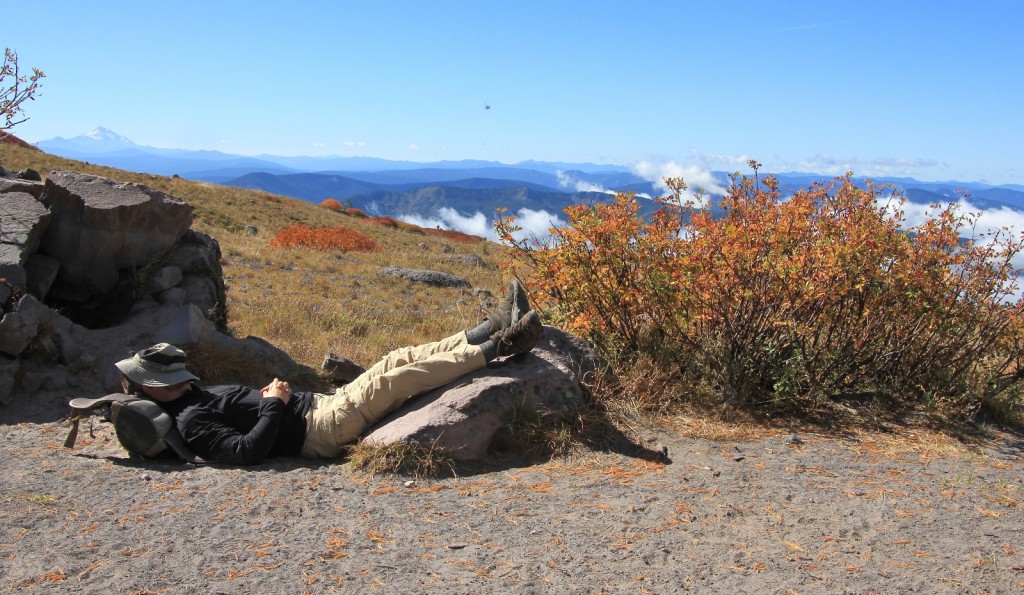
(461, 419)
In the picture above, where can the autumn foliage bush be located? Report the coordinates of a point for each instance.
(392, 223)
(341, 239)
(332, 204)
(789, 302)
(454, 236)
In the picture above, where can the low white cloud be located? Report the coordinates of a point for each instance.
(535, 224)
(567, 181)
(731, 162)
(697, 178)
(354, 143)
(988, 221)
(414, 147)
(879, 166)
(448, 218)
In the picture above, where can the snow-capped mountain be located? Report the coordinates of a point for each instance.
(98, 140)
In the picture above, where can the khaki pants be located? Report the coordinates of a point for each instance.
(335, 420)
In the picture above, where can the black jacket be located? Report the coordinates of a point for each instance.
(235, 424)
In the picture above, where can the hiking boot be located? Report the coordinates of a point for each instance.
(509, 311)
(520, 337)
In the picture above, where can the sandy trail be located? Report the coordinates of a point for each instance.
(827, 515)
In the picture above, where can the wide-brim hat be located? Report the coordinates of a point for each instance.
(160, 365)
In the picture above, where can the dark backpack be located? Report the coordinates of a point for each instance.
(142, 427)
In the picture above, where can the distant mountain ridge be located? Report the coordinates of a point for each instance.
(405, 188)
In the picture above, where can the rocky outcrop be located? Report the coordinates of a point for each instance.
(462, 418)
(100, 228)
(23, 223)
(92, 270)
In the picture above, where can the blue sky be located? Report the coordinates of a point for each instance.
(930, 90)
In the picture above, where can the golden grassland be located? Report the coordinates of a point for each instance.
(308, 302)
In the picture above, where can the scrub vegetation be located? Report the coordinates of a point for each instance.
(813, 305)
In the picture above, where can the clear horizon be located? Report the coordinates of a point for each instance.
(927, 91)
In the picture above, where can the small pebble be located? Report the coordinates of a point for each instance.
(410, 484)
(146, 477)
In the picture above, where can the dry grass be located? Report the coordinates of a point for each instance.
(401, 458)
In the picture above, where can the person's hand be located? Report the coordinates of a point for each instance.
(277, 389)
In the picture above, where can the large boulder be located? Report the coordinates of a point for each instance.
(197, 256)
(23, 222)
(462, 418)
(92, 270)
(33, 187)
(101, 227)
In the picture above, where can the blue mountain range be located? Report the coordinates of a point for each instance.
(404, 188)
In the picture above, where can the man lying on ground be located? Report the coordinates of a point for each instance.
(240, 425)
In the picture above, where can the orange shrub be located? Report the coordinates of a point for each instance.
(393, 223)
(789, 303)
(454, 236)
(342, 239)
(384, 221)
(356, 212)
(332, 204)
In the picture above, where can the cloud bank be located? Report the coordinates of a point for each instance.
(535, 224)
(697, 178)
(567, 181)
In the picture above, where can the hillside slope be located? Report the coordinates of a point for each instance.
(310, 303)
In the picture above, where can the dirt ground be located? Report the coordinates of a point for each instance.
(780, 514)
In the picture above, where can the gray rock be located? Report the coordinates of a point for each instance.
(27, 186)
(433, 278)
(19, 328)
(28, 174)
(199, 255)
(341, 369)
(472, 260)
(462, 418)
(68, 349)
(164, 279)
(40, 271)
(187, 327)
(100, 227)
(8, 372)
(33, 379)
(174, 296)
(201, 291)
(22, 229)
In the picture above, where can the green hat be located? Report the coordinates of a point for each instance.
(160, 365)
